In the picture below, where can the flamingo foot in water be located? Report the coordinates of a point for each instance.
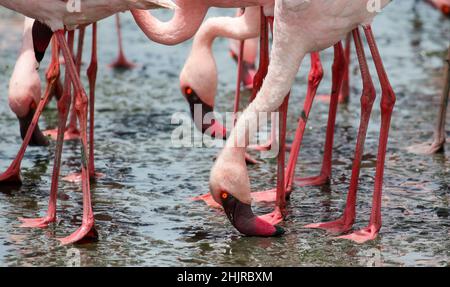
(338, 226)
(313, 181)
(69, 135)
(37, 222)
(85, 234)
(11, 177)
(273, 218)
(122, 64)
(426, 148)
(76, 177)
(362, 236)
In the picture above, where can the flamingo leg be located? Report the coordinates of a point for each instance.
(338, 74)
(388, 99)
(92, 76)
(439, 137)
(12, 175)
(314, 79)
(63, 112)
(87, 230)
(344, 94)
(260, 75)
(240, 66)
(72, 132)
(280, 209)
(345, 222)
(121, 62)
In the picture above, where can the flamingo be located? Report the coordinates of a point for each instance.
(121, 62)
(439, 137)
(302, 27)
(249, 51)
(201, 65)
(24, 96)
(52, 23)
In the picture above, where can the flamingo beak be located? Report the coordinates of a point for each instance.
(245, 221)
(42, 35)
(38, 138)
(214, 129)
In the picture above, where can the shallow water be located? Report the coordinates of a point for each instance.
(142, 207)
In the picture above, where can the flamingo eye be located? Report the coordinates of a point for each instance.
(224, 195)
(188, 91)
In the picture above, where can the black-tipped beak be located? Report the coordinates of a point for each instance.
(38, 138)
(245, 221)
(42, 36)
(199, 110)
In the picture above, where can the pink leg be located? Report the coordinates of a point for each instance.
(87, 229)
(263, 56)
(338, 71)
(280, 209)
(387, 105)
(12, 174)
(92, 76)
(439, 137)
(344, 95)
(261, 75)
(72, 132)
(63, 111)
(345, 223)
(121, 62)
(314, 79)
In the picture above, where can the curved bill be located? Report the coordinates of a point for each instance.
(214, 128)
(245, 221)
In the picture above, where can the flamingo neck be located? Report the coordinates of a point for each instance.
(180, 28)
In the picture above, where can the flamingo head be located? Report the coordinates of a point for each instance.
(230, 187)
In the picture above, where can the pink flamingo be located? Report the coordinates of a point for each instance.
(121, 62)
(439, 137)
(24, 95)
(201, 65)
(302, 27)
(55, 22)
(249, 53)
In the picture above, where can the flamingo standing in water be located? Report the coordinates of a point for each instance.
(55, 22)
(121, 62)
(440, 134)
(24, 96)
(201, 65)
(302, 27)
(247, 50)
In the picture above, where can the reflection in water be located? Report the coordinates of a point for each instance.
(142, 206)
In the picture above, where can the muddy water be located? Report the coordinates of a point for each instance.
(142, 207)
